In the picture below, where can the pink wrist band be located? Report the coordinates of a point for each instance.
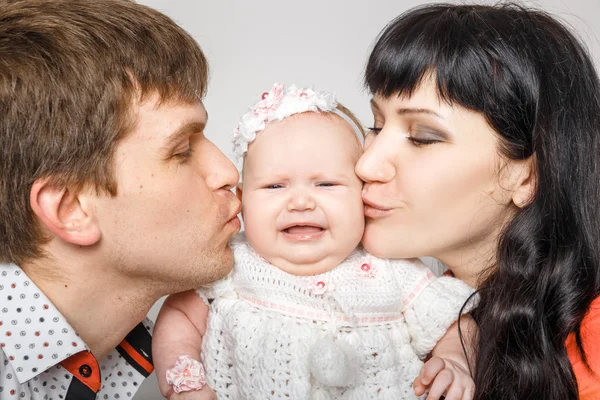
(187, 374)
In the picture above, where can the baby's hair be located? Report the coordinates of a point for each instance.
(353, 117)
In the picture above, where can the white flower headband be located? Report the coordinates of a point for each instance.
(280, 103)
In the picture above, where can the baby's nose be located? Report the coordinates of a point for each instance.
(301, 201)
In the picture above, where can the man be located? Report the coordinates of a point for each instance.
(110, 195)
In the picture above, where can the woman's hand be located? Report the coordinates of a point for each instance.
(444, 377)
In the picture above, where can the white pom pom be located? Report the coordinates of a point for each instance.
(319, 394)
(333, 363)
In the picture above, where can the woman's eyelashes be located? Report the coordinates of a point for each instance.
(421, 138)
(418, 136)
(421, 142)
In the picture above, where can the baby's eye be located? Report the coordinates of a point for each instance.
(275, 186)
(326, 184)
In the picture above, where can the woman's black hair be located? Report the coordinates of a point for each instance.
(537, 87)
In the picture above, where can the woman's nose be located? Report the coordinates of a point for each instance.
(375, 165)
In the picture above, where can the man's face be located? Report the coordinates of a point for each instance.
(174, 213)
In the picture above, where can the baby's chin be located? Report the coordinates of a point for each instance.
(307, 267)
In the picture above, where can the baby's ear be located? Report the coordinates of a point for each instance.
(238, 190)
(238, 193)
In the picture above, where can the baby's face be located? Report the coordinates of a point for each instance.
(301, 199)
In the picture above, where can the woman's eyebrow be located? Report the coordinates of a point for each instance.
(403, 111)
(409, 110)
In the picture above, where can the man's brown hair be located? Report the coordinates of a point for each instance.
(70, 71)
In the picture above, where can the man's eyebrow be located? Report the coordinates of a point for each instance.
(184, 130)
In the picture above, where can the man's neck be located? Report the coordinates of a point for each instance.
(102, 305)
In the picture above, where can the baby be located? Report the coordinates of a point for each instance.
(306, 313)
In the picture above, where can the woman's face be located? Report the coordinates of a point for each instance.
(434, 182)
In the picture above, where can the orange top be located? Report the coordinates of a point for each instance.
(588, 383)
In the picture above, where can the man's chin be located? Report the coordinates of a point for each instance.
(218, 269)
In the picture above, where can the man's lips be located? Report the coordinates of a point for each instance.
(236, 211)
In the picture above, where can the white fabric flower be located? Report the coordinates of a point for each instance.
(275, 105)
(187, 374)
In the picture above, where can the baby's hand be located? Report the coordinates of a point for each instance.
(444, 377)
(206, 393)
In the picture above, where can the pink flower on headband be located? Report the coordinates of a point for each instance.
(269, 101)
(301, 93)
(280, 103)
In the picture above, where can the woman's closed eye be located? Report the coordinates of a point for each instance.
(423, 137)
(420, 142)
(418, 137)
(374, 130)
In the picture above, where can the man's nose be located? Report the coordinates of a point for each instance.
(222, 174)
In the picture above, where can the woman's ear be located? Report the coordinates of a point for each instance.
(525, 183)
(64, 213)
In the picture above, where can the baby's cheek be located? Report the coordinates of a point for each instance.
(353, 222)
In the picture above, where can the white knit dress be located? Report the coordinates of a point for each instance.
(359, 331)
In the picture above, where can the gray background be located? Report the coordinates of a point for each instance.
(321, 43)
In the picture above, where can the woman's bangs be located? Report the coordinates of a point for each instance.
(418, 47)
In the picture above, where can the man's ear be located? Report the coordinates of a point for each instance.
(64, 213)
(525, 183)
(239, 189)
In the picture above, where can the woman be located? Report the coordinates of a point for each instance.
(485, 154)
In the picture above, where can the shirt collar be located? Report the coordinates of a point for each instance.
(34, 335)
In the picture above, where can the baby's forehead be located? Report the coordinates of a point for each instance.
(299, 140)
(306, 136)
(315, 116)
(329, 124)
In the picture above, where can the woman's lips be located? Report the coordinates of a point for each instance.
(374, 210)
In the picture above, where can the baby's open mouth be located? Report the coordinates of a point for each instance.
(303, 230)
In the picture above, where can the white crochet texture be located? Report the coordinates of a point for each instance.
(369, 322)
